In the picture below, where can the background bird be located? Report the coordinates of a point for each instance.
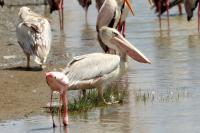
(33, 35)
(109, 15)
(57, 5)
(162, 6)
(2, 3)
(85, 4)
(190, 6)
(89, 71)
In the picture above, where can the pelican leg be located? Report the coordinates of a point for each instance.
(61, 17)
(60, 108)
(167, 4)
(28, 61)
(51, 109)
(180, 9)
(100, 94)
(65, 108)
(159, 12)
(84, 92)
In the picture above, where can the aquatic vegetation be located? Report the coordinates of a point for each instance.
(171, 95)
(91, 99)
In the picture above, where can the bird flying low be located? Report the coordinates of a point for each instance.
(34, 35)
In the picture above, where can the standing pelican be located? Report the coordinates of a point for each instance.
(2, 3)
(33, 35)
(57, 5)
(190, 6)
(109, 15)
(85, 4)
(94, 70)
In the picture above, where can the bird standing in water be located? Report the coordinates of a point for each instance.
(33, 35)
(57, 5)
(94, 70)
(85, 4)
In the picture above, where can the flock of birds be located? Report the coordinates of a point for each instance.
(93, 70)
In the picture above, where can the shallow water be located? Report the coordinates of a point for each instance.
(163, 96)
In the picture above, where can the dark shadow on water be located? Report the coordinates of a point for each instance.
(59, 129)
(42, 129)
(19, 68)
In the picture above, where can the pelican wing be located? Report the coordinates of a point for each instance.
(91, 66)
(34, 36)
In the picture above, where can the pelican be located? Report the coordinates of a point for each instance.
(109, 15)
(94, 70)
(85, 4)
(190, 6)
(2, 3)
(33, 35)
(57, 5)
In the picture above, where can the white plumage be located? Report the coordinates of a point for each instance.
(33, 35)
(94, 70)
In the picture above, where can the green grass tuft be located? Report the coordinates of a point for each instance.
(91, 100)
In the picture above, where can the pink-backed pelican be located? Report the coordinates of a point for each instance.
(94, 70)
(33, 35)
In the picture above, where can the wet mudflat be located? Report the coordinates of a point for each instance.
(162, 97)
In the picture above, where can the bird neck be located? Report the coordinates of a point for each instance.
(123, 57)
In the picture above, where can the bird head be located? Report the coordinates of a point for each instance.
(57, 81)
(114, 40)
(25, 13)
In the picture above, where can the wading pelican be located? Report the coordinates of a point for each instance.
(57, 5)
(190, 6)
(94, 70)
(109, 15)
(85, 4)
(33, 35)
(2, 3)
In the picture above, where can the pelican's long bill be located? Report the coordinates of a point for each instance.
(129, 6)
(131, 50)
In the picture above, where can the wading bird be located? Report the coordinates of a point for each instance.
(109, 15)
(162, 6)
(85, 4)
(57, 5)
(33, 35)
(94, 70)
(2, 3)
(190, 6)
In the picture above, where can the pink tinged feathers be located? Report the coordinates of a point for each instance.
(59, 82)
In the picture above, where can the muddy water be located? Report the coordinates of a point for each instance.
(163, 96)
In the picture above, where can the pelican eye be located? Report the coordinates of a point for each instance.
(115, 33)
